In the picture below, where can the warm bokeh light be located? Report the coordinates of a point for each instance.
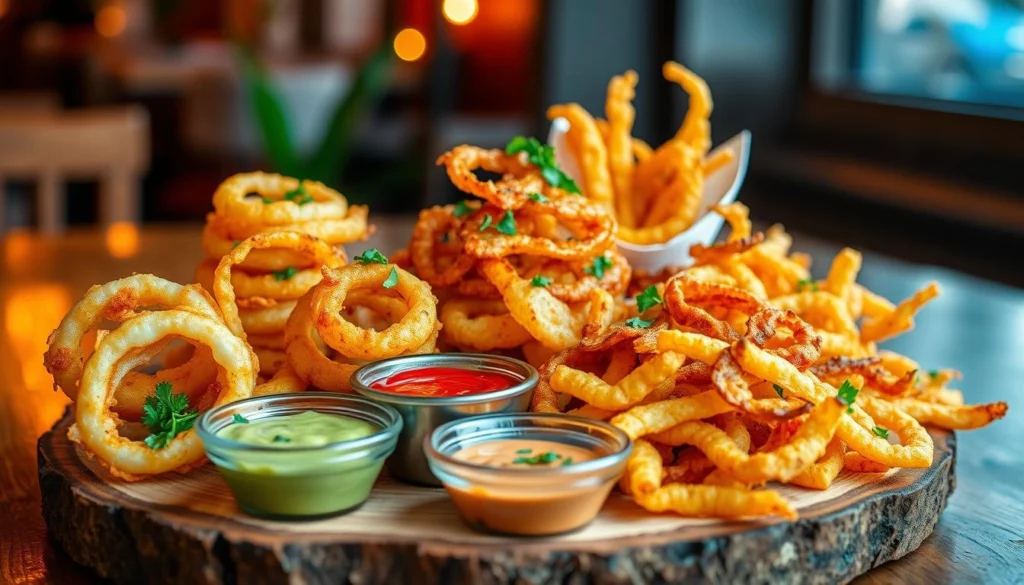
(3, 8)
(17, 248)
(30, 313)
(111, 20)
(460, 11)
(410, 44)
(122, 239)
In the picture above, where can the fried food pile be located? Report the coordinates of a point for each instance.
(525, 265)
(266, 280)
(368, 310)
(742, 370)
(653, 194)
(145, 314)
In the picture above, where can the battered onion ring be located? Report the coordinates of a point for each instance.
(266, 321)
(230, 200)
(191, 379)
(510, 192)
(96, 429)
(476, 325)
(117, 301)
(414, 330)
(264, 286)
(686, 299)
(351, 228)
(614, 280)
(423, 252)
(593, 228)
(216, 245)
(268, 360)
(285, 381)
(223, 290)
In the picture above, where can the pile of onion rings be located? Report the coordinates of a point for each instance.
(267, 279)
(359, 312)
(742, 370)
(522, 266)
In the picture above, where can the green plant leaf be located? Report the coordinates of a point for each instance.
(275, 128)
(333, 151)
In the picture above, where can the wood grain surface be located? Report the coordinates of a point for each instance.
(975, 326)
(413, 534)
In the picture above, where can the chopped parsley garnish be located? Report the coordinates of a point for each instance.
(847, 394)
(567, 461)
(462, 208)
(237, 418)
(298, 195)
(539, 459)
(371, 256)
(281, 439)
(524, 451)
(543, 156)
(507, 224)
(166, 415)
(601, 263)
(778, 390)
(540, 280)
(648, 298)
(235, 244)
(638, 323)
(266, 200)
(285, 273)
(538, 197)
(881, 432)
(392, 280)
(487, 222)
(933, 374)
(806, 283)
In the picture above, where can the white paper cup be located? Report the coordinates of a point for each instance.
(719, 188)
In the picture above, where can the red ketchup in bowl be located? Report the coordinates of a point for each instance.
(444, 382)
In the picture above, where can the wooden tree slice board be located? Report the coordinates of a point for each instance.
(187, 529)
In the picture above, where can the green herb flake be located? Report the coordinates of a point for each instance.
(543, 156)
(281, 439)
(538, 197)
(881, 432)
(487, 222)
(392, 280)
(371, 256)
(933, 374)
(648, 298)
(235, 244)
(539, 459)
(237, 418)
(166, 415)
(806, 283)
(266, 200)
(847, 394)
(524, 451)
(507, 224)
(778, 390)
(462, 208)
(567, 462)
(285, 273)
(540, 281)
(639, 323)
(597, 268)
(298, 195)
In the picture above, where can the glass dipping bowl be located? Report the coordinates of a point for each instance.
(301, 482)
(529, 501)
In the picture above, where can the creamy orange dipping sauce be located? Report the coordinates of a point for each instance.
(524, 453)
(527, 505)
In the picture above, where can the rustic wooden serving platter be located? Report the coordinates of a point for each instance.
(187, 529)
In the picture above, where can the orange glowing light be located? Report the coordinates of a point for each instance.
(111, 20)
(17, 248)
(3, 8)
(460, 11)
(410, 44)
(30, 313)
(122, 239)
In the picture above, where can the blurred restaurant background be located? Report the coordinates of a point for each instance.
(888, 124)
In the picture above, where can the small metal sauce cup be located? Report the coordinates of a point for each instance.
(422, 414)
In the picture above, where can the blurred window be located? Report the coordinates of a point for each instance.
(963, 55)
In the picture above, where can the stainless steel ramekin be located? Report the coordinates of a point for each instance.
(422, 414)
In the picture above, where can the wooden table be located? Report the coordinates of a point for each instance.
(975, 326)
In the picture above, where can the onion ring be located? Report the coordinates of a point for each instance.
(230, 199)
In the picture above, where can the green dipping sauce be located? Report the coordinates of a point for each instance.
(295, 479)
(306, 429)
